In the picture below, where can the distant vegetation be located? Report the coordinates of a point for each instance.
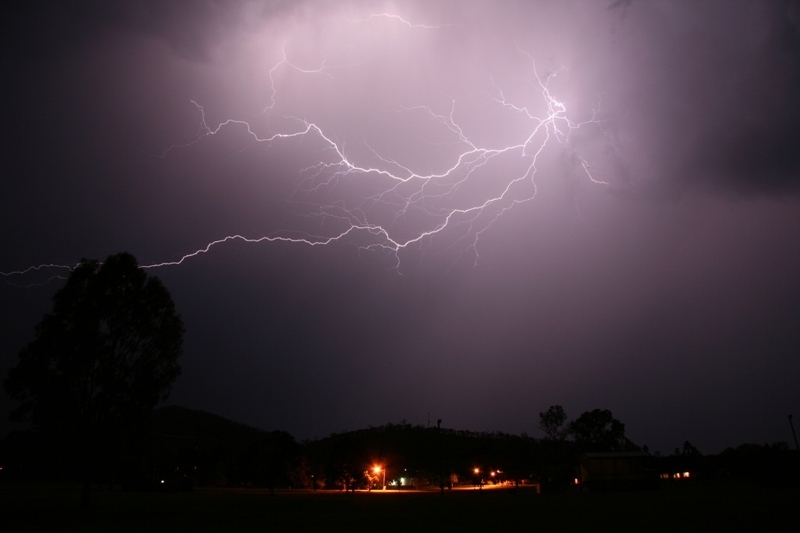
(187, 448)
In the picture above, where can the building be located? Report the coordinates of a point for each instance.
(616, 471)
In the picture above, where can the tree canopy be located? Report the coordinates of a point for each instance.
(552, 423)
(108, 351)
(101, 360)
(595, 430)
(601, 431)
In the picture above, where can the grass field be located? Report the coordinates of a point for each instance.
(690, 507)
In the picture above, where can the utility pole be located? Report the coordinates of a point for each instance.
(441, 459)
(794, 434)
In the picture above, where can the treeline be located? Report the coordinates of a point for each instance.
(186, 448)
(769, 465)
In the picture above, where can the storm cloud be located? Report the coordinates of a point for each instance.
(667, 293)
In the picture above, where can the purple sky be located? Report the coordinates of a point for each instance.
(637, 249)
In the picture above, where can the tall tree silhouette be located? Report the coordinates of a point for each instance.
(552, 423)
(598, 430)
(102, 360)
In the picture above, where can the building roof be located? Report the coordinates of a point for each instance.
(614, 455)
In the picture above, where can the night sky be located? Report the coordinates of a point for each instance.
(471, 210)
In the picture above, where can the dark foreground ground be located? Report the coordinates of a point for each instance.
(694, 506)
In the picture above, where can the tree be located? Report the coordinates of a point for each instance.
(272, 459)
(552, 423)
(102, 360)
(599, 430)
(690, 451)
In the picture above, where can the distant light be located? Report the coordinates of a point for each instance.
(577, 481)
(686, 474)
(162, 481)
(376, 469)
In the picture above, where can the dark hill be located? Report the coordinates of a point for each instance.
(188, 447)
(174, 422)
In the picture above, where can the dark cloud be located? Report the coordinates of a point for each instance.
(190, 28)
(713, 87)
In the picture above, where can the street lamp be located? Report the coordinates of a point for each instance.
(479, 477)
(377, 469)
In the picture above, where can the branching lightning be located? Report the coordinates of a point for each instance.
(403, 207)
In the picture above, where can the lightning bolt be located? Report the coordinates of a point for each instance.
(401, 20)
(403, 207)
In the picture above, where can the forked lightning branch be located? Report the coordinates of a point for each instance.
(403, 208)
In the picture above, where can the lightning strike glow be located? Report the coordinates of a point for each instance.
(435, 203)
(400, 19)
